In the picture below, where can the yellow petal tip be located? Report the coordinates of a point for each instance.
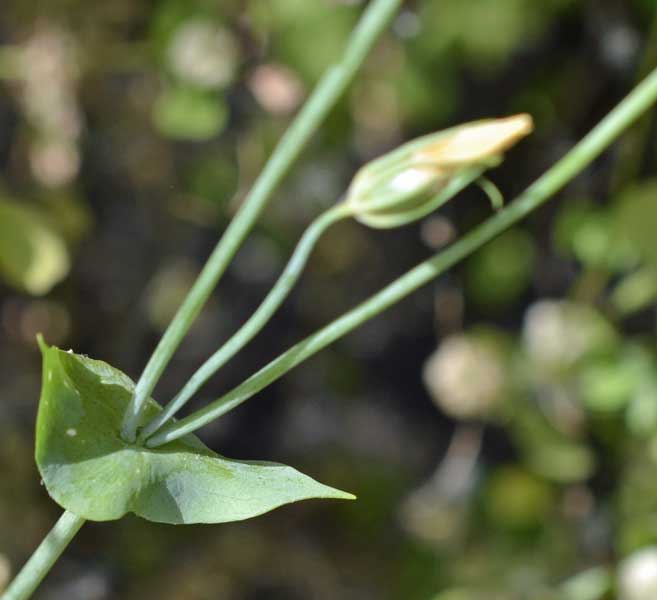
(477, 142)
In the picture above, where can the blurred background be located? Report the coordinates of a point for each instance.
(499, 427)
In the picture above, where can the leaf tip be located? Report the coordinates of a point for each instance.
(42, 343)
(342, 495)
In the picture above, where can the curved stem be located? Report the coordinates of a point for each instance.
(634, 105)
(258, 319)
(44, 557)
(492, 191)
(376, 17)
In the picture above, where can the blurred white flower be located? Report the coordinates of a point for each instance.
(54, 161)
(204, 54)
(50, 74)
(557, 333)
(465, 376)
(50, 70)
(276, 88)
(437, 511)
(637, 577)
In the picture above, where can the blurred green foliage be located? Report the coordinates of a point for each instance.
(33, 257)
(129, 133)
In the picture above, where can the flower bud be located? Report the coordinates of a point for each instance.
(418, 177)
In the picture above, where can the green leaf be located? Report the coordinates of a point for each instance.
(502, 270)
(587, 232)
(187, 113)
(33, 257)
(636, 217)
(516, 499)
(89, 470)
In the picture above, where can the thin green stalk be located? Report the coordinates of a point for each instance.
(632, 154)
(633, 106)
(44, 557)
(258, 319)
(375, 19)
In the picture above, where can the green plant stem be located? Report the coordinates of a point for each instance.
(633, 106)
(44, 557)
(490, 189)
(374, 20)
(258, 319)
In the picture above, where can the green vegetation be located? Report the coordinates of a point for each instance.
(129, 137)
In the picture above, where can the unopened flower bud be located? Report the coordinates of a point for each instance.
(204, 54)
(418, 177)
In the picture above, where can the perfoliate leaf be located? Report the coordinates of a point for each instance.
(89, 470)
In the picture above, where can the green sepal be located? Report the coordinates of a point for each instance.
(89, 470)
(432, 200)
(377, 202)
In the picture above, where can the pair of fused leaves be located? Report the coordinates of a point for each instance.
(90, 471)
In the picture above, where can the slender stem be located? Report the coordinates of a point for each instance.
(44, 557)
(632, 156)
(635, 104)
(374, 20)
(258, 319)
(491, 190)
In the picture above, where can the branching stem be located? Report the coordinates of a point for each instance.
(376, 17)
(258, 319)
(624, 114)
